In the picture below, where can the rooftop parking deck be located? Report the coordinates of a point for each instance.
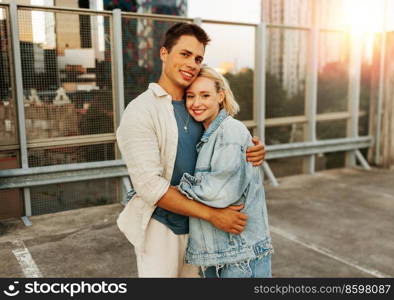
(337, 223)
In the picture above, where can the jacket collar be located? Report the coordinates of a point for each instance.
(157, 89)
(214, 125)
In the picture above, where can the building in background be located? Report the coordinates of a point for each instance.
(287, 48)
(42, 32)
(142, 40)
(67, 28)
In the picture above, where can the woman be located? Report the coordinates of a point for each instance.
(222, 178)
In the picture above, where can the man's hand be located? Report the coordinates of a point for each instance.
(229, 219)
(256, 154)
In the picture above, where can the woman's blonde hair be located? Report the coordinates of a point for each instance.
(221, 84)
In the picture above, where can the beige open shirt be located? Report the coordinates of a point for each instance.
(147, 138)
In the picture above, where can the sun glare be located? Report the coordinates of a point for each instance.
(363, 16)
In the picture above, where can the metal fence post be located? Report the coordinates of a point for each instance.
(117, 50)
(311, 89)
(377, 159)
(117, 64)
(17, 65)
(259, 92)
(354, 95)
(259, 80)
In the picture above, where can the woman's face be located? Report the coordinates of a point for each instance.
(202, 100)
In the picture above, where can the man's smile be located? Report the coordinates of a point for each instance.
(187, 75)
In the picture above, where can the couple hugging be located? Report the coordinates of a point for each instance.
(198, 200)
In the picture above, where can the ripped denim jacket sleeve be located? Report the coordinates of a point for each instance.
(223, 182)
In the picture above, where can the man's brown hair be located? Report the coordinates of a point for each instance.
(176, 31)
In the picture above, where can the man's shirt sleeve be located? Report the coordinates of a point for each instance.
(139, 146)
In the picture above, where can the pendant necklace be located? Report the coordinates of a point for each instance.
(185, 123)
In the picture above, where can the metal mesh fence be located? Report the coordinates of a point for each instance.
(67, 80)
(333, 72)
(334, 160)
(142, 39)
(276, 12)
(293, 133)
(369, 81)
(332, 90)
(8, 121)
(66, 196)
(11, 204)
(286, 63)
(9, 160)
(236, 66)
(389, 70)
(287, 166)
(68, 93)
(71, 154)
(331, 130)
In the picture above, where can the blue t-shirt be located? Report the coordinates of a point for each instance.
(185, 162)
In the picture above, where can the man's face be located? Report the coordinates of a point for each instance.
(182, 64)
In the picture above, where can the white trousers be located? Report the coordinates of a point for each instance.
(164, 254)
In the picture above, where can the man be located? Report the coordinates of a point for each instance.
(157, 139)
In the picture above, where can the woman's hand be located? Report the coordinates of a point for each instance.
(256, 154)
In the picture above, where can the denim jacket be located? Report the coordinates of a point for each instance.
(223, 177)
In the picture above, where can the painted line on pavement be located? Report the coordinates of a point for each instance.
(326, 252)
(25, 260)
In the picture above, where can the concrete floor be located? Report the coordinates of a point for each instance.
(338, 223)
